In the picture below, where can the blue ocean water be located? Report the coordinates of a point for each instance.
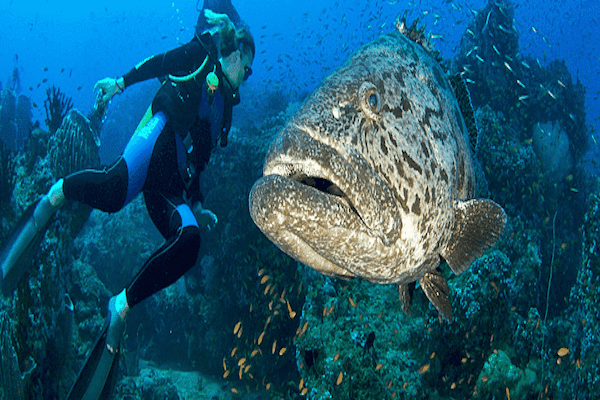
(73, 44)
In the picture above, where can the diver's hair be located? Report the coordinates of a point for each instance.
(231, 38)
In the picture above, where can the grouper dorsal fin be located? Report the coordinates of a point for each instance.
(478, 225)
(466, 107)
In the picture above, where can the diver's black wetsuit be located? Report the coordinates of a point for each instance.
(157, 163)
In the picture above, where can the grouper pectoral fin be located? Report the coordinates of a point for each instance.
(479, 223)
(437, 290)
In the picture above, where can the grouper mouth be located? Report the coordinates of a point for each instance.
(315, 200)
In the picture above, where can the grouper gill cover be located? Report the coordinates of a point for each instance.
(373, 177)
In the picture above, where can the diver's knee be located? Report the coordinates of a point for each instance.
(189, 241)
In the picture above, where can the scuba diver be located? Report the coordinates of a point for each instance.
(189, 115)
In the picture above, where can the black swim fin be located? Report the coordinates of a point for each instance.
(21, 247)
(98, 376)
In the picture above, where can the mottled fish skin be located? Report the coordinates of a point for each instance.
(364, 179)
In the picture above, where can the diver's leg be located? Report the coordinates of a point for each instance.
(111, 188)
(176, 222)
(108, 189)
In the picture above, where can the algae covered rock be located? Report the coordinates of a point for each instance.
(500, 377)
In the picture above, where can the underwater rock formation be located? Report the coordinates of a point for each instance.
(74, 146)
(551, 145)
(524, 90)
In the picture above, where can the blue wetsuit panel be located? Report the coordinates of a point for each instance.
(187, 216)
(138, 152)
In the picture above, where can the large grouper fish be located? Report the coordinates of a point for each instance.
(374, 177)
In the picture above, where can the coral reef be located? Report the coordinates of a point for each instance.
(40, 309)
(10, 374)
(74, 146)
(8, 125)
(15, 119)
(263, 326)
(57, 106)
(500, 375)
(6, 175)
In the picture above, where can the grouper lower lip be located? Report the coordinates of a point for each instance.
(302, 220)
(339, 175)
(315, 227)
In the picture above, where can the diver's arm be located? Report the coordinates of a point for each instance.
(182, 58)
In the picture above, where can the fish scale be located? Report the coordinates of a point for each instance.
(385, 138)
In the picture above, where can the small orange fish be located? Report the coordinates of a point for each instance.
(236, 328)
(304, 391)
(340, 378)
(242, 361)
(282, 351)
(234, 390)
(274, 347)
(264, 279)
(268, 386)
(563, 351)
(254, 352)
(424, 369)
(335, 358)
(352, 303)
(301, 385)
(379, 366)
(260, 338)
(226, 374)
(233, 351)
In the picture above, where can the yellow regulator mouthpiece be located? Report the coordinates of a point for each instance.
(212, 82)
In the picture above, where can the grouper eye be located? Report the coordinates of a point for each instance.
(373, 100)
(370, 101)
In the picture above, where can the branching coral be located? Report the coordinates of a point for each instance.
(57, 106)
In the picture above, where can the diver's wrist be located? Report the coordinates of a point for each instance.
(120, 82)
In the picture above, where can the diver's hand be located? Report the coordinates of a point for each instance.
(109, 87)
(204, 217)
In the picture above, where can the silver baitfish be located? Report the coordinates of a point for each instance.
(373, 177)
